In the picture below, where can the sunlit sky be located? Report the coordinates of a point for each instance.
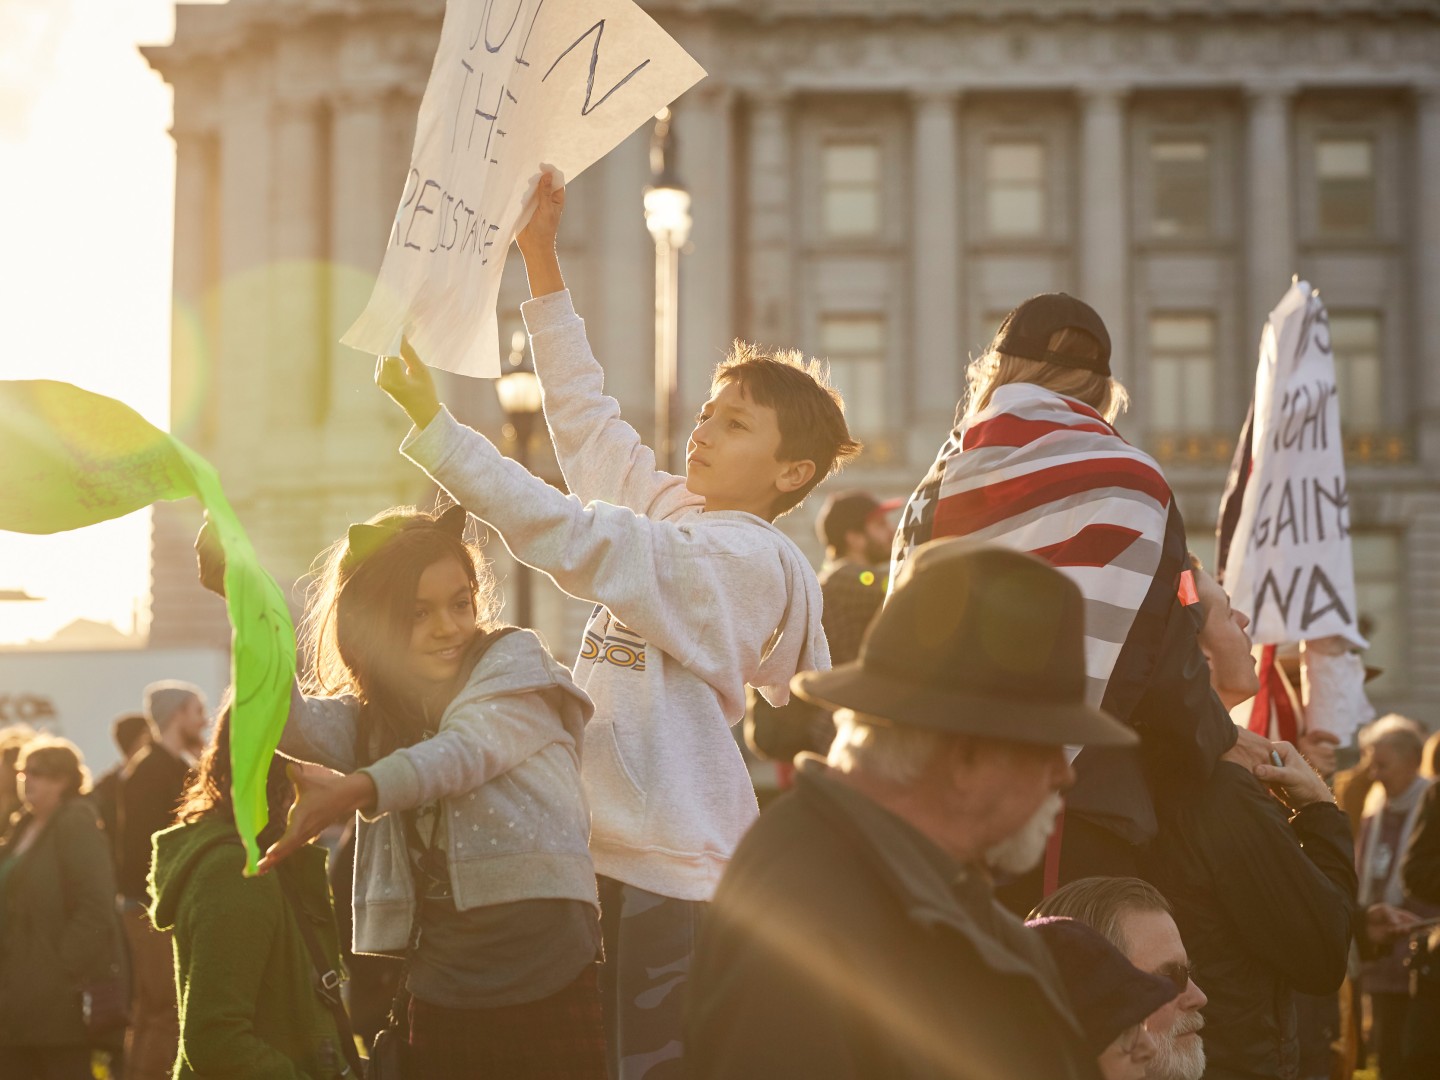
(87, 170)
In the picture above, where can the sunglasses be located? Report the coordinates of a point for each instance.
(1179, 974)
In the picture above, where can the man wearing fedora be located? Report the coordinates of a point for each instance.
(854, 933)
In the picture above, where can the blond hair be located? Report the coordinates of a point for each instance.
(1103, 393)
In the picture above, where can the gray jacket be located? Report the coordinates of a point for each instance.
(505, 766)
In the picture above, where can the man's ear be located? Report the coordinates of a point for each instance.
(794, 476)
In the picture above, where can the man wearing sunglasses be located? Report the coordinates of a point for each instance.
(1136, 919)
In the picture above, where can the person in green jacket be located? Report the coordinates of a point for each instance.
(247, 989)
(59, 934)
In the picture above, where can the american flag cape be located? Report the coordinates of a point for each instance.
(1045, 473)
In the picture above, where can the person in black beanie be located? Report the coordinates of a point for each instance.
(1111, 997)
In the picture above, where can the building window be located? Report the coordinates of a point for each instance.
(1345, 186)
(850, 199)
(1380, 601)
(854, 345)
(1182, 373)
(1015, 188)
(1180, 172)
(1355, 341)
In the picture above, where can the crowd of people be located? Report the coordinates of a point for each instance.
(1020, 835)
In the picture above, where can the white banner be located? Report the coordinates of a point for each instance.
(515, 83)
(1290, 566)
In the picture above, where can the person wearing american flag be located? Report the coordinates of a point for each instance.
(1035, 463)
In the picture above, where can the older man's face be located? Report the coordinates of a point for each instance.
(1152, 943)
(1020, 785)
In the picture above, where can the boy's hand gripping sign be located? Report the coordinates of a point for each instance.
(515, 83)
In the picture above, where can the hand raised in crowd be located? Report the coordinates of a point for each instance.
(408, 381)
(1249, 750)
(537, 240)
(1318, 748)
(322, 798)
(210, 557)
(1385, 923)
(1293, 781)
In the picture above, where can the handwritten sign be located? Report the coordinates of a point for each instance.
(1290, 565)
(515, 83)
(73, 458)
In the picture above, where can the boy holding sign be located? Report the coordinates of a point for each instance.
(697, 594)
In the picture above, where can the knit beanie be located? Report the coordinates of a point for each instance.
(1108, 994)
(163, 698)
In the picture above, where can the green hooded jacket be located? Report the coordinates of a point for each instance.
(244, 980)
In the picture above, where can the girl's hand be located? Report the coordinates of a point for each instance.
(322, 798)
(538, 237)
(211, 558)
(409, 382)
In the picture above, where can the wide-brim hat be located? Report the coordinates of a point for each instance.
(976, 640)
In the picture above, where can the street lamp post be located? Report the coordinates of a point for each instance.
(667, 216)
(519, 393)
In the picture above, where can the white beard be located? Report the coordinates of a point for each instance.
(1020, 851)
(1175, 1060)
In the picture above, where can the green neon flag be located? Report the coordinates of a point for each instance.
(71, 458)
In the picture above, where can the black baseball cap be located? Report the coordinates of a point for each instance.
(1026, 331)
(845, 512)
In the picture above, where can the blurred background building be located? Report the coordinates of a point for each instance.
(876, 182)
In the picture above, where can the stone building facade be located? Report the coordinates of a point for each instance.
(875, 182)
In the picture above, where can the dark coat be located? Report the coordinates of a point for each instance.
(843, 944)
(1264, 900)
(248, 1005)
(1421, 868)
(59, 931)
(151, 785)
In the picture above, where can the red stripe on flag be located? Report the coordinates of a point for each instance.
(979, 508)
(1085, 410)
(1010, 430)
(1094, 545)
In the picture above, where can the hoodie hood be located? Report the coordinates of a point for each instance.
(799, 642)
(178, 850)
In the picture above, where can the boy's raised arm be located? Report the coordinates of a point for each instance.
(602, 457)
(642, 569)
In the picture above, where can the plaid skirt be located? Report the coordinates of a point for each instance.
(561, 1037)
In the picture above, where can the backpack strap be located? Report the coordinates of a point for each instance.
(327, 979)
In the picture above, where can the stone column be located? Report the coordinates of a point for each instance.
(362, 205)
(1427, 271)
(770, 227)
(936, 377)
(191, 393)
(1269, 221)
(362, 472)
(181, 612)
(1104, 259)
(242, 378)
(622, 311)
(299, 356)
(705, 131)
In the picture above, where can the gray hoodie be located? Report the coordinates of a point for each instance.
(505, 766)
(690, 606)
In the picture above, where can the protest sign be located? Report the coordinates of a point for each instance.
(73, 458)
(1287, 560)
(515, 83)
